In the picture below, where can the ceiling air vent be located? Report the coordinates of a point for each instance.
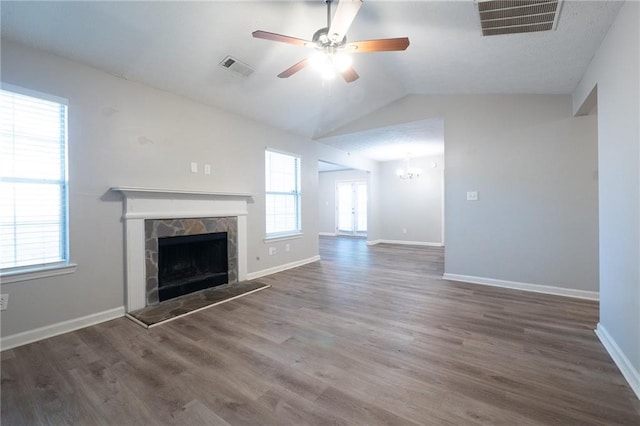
(239, 67)
(518, 16)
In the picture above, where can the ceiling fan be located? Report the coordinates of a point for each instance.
(331, 45)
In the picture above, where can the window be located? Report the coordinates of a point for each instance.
(282, 194)
(33, 181)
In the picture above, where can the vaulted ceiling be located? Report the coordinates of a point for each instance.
(177, 47)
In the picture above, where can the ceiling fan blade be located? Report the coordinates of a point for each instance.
(350, 75)
(345, 14)
(294, 68)
(381, 45)
(281, 38)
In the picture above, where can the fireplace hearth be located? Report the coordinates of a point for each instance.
(190, 263)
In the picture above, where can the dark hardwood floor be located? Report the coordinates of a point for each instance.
(368, 335)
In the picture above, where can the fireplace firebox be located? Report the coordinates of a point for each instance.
(189, 263)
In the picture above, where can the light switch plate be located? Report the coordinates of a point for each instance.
(194, 167)
(472, 195)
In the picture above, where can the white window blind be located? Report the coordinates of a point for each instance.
(33, 181)
(282, 194)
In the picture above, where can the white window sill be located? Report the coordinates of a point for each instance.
(36, 273)
(283, 237)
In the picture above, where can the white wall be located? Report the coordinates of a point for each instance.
(534, 166)
(327, 196)
(415, 205)
(124, 133)
(616, 72)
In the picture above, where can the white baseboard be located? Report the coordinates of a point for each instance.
(624, 365)
(536, 288)
(19, 339)
(408, 243)
(280, 268)
(327, 234)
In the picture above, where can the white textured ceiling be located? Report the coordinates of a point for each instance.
(176, 46)
(408, 140)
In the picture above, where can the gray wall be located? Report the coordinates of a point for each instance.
(415, 205)
(534, 166)
(616, 72)
(327, 196)
(124, 133)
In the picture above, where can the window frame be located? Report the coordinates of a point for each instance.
(63, 266)
(297, 194)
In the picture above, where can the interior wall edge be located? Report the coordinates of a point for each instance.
(617, 355)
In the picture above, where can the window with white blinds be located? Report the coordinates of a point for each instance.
(33, 181)
(282, 194)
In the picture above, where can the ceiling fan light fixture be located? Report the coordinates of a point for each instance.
(342, 62)
(318, 61)
(323, 63)
(328, 74)
(329, 64)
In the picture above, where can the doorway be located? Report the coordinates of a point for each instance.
(351, 208)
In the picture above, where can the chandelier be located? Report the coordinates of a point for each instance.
(408, 172)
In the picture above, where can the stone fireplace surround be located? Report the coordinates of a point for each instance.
(145, 205)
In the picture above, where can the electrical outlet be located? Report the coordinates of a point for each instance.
(194, 167)
(287, 247)
(472, 195)
(272, 251)
(404, 230)
(4, 301)
(207, 169)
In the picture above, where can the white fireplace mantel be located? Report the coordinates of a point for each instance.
(141, 204)
(144, 190)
